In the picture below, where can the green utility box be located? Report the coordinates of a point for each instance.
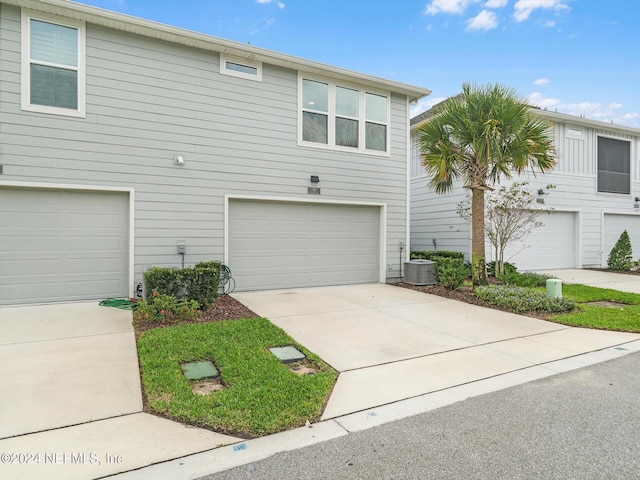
(554, 288)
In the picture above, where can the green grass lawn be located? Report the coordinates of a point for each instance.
(262, 395)
(626, 318)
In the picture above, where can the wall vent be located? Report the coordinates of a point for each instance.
(420, 272)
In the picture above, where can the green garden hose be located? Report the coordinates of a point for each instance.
(122, 303)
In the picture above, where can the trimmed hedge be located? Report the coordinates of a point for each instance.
(199, 283)
(520, 299)
(508, 268)
(430, 254)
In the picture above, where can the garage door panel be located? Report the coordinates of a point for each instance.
(298, 245)
(552, 245)
(61, 245)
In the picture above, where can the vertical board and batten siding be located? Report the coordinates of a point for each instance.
(148, 100)
(435, 217)
(576, 191)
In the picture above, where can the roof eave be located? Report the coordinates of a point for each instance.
(190, 38)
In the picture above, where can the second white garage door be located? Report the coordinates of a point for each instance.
(553, 245)
(287, 245)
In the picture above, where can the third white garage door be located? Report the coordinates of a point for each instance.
(288, 244)
(553, 245)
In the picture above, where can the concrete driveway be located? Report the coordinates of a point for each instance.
(597, 278)
(392, 343)
(71, 404)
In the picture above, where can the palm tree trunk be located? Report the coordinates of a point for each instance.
(478, 261)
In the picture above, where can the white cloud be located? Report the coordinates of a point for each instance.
(542, 81)
(524, 8)
(275, 2)
(485, 20)
(448, 6)
(424, 105)
(496, 3)
(594, 110)
(549, 24)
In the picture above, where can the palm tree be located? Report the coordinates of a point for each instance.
(480, 136)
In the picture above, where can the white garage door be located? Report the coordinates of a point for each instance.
(287, 245)
(62, 245)
(553, 245)
(614, 225)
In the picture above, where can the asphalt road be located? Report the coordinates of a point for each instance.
(584, 424)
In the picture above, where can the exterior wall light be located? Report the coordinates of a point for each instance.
(178, 159)
(315, 179)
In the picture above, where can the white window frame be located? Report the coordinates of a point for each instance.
(331, 117)
(575, 132)
(27, 16)
(240, 61)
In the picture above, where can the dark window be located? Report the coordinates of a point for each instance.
(614, 166)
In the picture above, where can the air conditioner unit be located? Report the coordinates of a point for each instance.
(420, 272)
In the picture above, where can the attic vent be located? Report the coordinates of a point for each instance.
(420, 272)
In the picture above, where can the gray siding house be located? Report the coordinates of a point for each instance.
(597, 196)
(122, 139)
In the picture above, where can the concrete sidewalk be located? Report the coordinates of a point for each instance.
(71, 391)
(598, 278)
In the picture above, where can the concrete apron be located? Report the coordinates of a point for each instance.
(71, 398)
(391, 343)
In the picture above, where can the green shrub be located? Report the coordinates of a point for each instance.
(163, 308)
(508, 268)
(520, 299)
(526, 279)
(199, 283)
(451, 272)
(620, 257)
(428, 255)
(166, 281)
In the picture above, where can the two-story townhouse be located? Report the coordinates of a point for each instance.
(596, 197)
(124, 142)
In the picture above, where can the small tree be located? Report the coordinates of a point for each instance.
(620, 257)
(509, 217)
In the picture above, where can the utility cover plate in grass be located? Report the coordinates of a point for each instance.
(288, 354)
(199, 370)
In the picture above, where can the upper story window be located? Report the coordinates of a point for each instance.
(343, 117)
(53, 65)
(575, 132)
(614, 166)
(240, 67)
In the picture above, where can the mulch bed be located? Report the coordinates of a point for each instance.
(225, 308)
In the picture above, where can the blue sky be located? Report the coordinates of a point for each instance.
(575, 56)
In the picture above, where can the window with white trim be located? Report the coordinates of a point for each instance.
(53, 64)
(343, 117)
(240, 67)
(614, 166)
